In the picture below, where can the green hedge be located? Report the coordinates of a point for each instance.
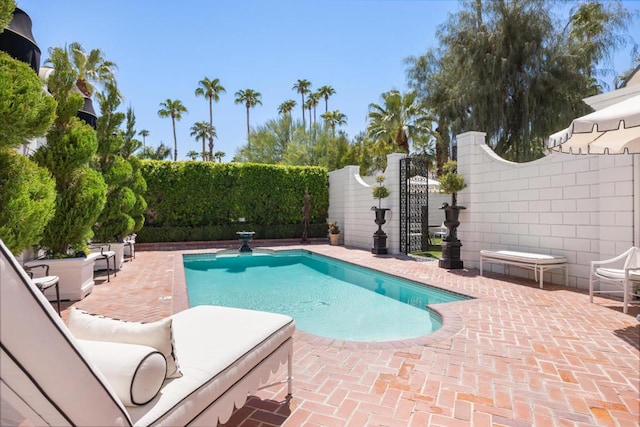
(195, 201)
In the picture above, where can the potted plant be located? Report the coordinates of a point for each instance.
(115, 221)
(334, 233)
(81, 190)
(27, 191)
(451, 183)
(380, 237)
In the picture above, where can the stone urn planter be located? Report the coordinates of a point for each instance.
(451, 244)
(380, 237)
(451, 183)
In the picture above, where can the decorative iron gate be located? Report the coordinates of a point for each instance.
(414, 204)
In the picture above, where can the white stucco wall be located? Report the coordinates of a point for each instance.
(582, 207)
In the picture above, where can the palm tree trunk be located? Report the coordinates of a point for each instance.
(175, 140)
(304, 126)
(326, 104)
(402, 141)
(210, 129)
(204, 150)
(248, 141)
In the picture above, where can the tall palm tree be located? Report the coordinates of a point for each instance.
(219, 155)
(173, 109)
(144, 134)
(314, 98)
(399, 119)
(211, 90)
(286, 107)
(192, 154)
(302, 86)
(250, 98)
(202, 130)
(309, 106)
(326, 92)
(333, 118)
(91, 67)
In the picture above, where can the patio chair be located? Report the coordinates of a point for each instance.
(440, 232)
(627, 277)
(106, 254)
(130, 246)
(51, 376)
(45, 281)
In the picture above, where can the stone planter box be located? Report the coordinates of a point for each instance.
(76, 276)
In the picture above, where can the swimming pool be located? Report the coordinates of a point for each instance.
(326, 297)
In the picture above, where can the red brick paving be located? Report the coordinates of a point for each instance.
(516, 355)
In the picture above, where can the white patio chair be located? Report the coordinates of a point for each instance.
(441, 231)
(623, 277)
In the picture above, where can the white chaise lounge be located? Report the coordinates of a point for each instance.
(539, 263)
(50, 377)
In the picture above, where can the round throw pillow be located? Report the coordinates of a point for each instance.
(134, 372)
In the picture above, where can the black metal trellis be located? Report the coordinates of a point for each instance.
(414, 204)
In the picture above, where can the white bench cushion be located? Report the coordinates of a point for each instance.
(218, 346)
(158, 335)
(523, 257)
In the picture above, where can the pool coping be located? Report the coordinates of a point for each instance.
(452, 319)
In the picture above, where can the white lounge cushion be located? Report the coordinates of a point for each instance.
(524, 257)
(219, 346)
(135, 372)
(158, 335)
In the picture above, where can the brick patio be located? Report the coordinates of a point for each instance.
(516, 355)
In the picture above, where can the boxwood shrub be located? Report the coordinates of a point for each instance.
(200, 201)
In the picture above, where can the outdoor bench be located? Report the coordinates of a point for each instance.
(539, 263)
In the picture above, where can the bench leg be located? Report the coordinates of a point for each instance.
(541, 277)
(481, 266)
(290, 375)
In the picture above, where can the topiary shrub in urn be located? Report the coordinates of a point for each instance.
(451, 183)
(380, 237)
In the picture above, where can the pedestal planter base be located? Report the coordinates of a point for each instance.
(379, 244)
(451, 255)
(451, 264)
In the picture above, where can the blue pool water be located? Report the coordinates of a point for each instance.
(326, 297)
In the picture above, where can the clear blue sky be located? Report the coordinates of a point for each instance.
(164, 48)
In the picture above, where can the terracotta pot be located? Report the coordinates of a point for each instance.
(334, 239)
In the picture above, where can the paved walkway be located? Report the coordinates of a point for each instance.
(514, 356)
